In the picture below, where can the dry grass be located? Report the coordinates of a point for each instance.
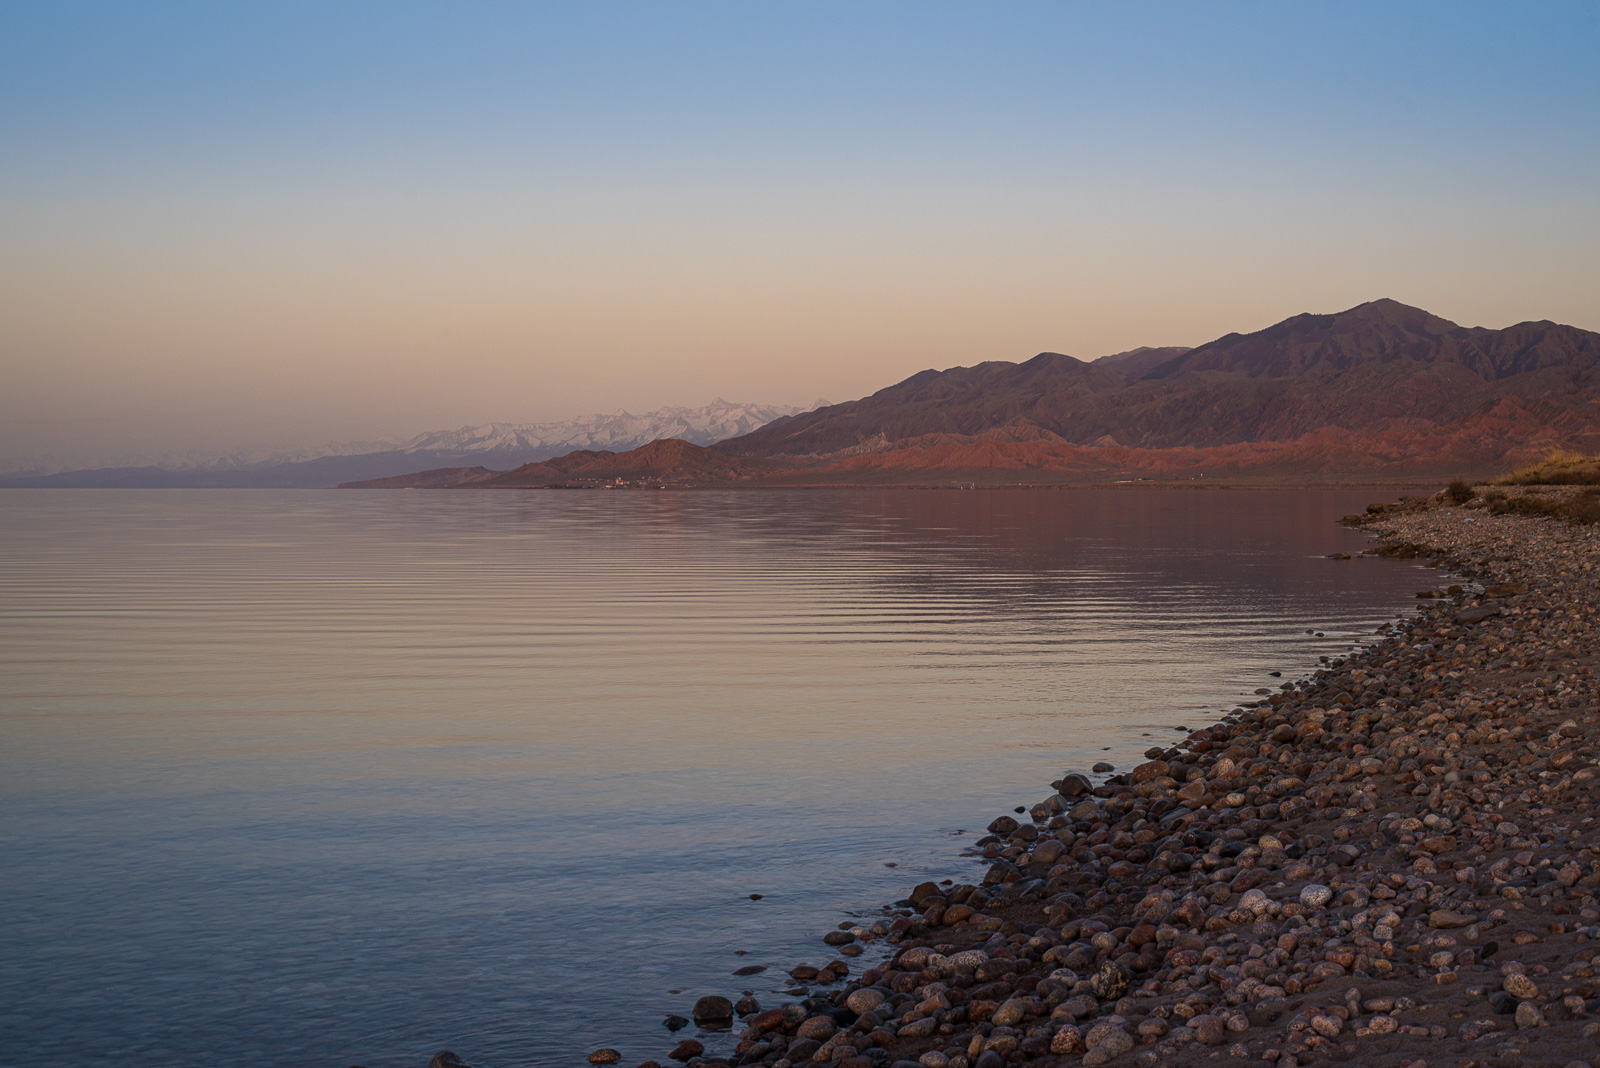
(1584, 508)
(1558, 469)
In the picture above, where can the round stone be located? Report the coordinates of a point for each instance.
(1256, 901)
(818, 1028)
(1520, 986)
(1067, 1040)
(1009, 1014)
(1315, 895)
(913, 959)
(1327, 1026)
(687, 1049)
(712, 1009)
(1209, 1030)
(966, 960)
(605, 1055)
(864, 1000)
(1099, 1032)
(1112, 1046)
(769, 1019)
(1046, 852)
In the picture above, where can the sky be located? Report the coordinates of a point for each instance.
(256, 226)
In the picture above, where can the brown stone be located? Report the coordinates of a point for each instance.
(978, 1011)
(1520, 986)
(1209, 1030)
(1153, 769)
(713, 1008)
(767, 1020)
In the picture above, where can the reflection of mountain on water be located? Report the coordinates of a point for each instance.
(1137, 578)
(1231, 539)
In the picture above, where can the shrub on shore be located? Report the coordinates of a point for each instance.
(1558, 469)
(1460, 492)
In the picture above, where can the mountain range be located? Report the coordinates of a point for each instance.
(1381, 391)
(490, 445)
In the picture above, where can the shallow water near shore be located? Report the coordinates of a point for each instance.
(348, 778)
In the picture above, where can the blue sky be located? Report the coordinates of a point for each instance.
(277, 224)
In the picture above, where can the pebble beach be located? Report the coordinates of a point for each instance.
(1392, 862)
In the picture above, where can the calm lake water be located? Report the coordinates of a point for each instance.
(335, 778)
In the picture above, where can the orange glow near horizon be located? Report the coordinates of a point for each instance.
(264, 272)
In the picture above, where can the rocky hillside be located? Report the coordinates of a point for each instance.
(1380, 388)
(660, 463)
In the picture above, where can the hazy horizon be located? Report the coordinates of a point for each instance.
(276, 228)
(201, 457)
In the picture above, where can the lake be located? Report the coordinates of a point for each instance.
(343, 778)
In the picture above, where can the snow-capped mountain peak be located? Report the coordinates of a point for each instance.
(620, 430)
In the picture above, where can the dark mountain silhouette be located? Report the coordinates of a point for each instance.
(962, 400)
(1414, 385)
(1386, 332)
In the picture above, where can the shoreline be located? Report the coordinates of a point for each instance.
(755, 486)
(1391, 861)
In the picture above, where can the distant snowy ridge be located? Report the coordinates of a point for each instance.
(500, 442)
(620, 430)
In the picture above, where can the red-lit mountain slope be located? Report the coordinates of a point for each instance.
(1377, 387)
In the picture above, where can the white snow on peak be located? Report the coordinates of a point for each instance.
(620, 430)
